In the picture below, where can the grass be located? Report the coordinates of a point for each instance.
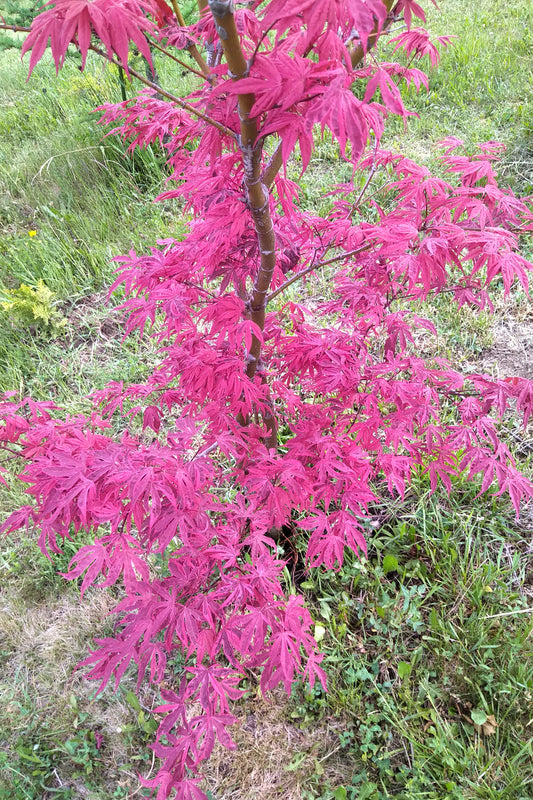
(428, 642)
(482, 89)
(53, 176)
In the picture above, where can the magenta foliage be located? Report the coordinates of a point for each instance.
(359, 410)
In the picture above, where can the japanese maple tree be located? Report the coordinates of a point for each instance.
(264, 414)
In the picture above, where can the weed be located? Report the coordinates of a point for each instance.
(34, 306)
(430, 660)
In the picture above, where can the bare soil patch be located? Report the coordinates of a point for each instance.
(512, 352)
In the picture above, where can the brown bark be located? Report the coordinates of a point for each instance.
(256, 191)
(15, 28)
(273, 167)
(358, 53)
(193, 50)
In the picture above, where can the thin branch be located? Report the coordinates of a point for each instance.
(430, 293)
(191, 109)
(193, 50)
(358, 53)
(5, 446)
(198, 57)
(178, 14)
(205, 451)
(205, 72)
(371, 173)
(151, 84)
(15, 28)
(142, 79)
(273, 167)
(174, 58)
(317, 265)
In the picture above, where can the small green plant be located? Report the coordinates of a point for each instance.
(34, 306)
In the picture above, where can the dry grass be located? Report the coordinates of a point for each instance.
(52, 637)
(276, 758)
(43, 700)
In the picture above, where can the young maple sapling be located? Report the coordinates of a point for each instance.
(206, 482)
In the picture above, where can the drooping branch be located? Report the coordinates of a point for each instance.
(204, 73)
(186, 106)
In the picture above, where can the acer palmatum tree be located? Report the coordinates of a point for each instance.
(205, 482)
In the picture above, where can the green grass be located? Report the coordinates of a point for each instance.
(85, 200)
(482, 89)
(429, 634)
